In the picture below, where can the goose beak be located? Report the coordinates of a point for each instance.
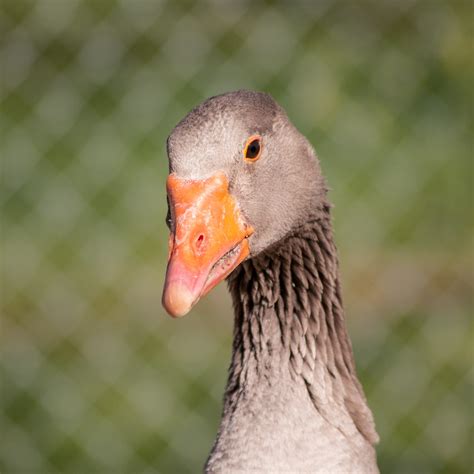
(209, 238)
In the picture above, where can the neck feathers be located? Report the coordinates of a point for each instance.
(289, 316)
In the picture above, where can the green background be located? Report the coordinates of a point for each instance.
(95, 376)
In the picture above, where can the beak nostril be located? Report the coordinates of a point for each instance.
(199, 241)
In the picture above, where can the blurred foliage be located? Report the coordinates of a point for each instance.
(95, 378)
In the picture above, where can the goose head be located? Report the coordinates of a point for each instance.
(241, 178)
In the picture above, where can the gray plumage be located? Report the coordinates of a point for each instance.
(293, 402)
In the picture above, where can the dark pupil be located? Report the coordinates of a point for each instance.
(253, 149)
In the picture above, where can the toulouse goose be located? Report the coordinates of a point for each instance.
(247, 202)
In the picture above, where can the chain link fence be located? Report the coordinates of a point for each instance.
(95, 377)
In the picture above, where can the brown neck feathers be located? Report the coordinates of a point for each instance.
(289, 313)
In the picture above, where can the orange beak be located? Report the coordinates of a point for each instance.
(208, 239)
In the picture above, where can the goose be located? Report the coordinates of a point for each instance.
(247, 202)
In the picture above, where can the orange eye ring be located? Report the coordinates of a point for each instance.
(253, 148)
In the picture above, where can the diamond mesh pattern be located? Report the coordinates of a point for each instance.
(95, 377)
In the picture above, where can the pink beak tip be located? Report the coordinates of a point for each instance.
(177, 299)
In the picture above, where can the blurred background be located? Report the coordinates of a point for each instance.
(95, 376)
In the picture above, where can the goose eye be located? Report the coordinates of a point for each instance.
(168, 215)
(253, 148)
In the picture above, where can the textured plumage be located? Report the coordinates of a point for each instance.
(293, 402)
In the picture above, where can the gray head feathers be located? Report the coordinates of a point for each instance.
(276, 194)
